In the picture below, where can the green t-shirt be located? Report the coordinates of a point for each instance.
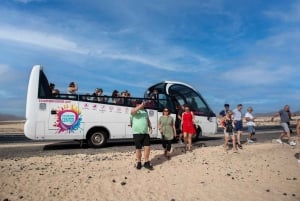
(139, 122)
(166, 123)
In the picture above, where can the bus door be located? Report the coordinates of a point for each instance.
(65, 119)
(153, 116)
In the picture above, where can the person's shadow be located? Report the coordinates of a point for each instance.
(176, 151)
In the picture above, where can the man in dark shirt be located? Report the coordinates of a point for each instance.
(223, 112)
(284, 119)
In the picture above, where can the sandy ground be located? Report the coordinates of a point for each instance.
(258, 172)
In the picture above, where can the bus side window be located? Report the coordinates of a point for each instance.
(44, 88)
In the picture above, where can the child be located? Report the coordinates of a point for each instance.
(227, 123)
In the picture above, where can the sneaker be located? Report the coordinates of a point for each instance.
(148, 165)
(239, 146)
(138, 165)
(279, 141)
(292, 143)
(180, 142)
(250, 141)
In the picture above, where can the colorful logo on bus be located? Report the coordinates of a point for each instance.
(68, 119)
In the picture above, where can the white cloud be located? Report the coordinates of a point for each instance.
(41, 39)
(3, 69)
(258, 75)
(28, 1)
(291, 15)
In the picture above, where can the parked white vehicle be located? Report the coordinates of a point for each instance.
(97, 120)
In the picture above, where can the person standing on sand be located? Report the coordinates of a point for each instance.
(188, 127)
(223, 112)
(250, 124)
(298, 129)
(238, 123)
(141, 126)
(227, 124)
(166, 126)
(284, 119)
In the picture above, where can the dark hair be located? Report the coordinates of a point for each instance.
(226, 105)
(167, 109)
(72, 84)
(187, 105)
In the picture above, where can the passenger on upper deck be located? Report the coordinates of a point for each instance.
(53, 91)
(115, 94)
(72, 88)
(98, 92)
(154, 94)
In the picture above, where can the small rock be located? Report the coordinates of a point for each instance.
(6, 199)
(267, 190)
(294, 178)
(172, 199)
(228, 174)
(123, 183)
(114, 181)
(284, 194)
(293, 194)
(21, 197)
(125, 177)
(232, 178)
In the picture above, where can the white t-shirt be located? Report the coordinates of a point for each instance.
(237, 115)
(250, 116)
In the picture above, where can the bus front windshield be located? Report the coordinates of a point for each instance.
(185, 95)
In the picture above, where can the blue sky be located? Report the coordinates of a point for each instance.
(232, 51)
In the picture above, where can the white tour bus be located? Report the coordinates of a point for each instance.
(99, 119)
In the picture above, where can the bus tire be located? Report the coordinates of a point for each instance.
(97, 138)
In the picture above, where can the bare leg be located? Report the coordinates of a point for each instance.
(189, 142)
(146, 153)
(226, 142)
(233, 143)
(185, 138)
(138, 153)
(283, 134)
(239, 133)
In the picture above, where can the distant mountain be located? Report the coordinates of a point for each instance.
(10, 117)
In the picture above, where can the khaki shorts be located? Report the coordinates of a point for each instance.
(285, 127)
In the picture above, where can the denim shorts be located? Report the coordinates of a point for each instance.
(251, 130)
(238, 125)
(285, 127)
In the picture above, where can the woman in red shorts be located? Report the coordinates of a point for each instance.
(188, 128)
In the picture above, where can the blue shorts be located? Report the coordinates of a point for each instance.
(251, 130)
(238, 125)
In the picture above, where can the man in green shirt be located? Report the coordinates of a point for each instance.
(140, 124)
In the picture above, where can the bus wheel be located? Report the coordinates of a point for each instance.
(97, 139)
